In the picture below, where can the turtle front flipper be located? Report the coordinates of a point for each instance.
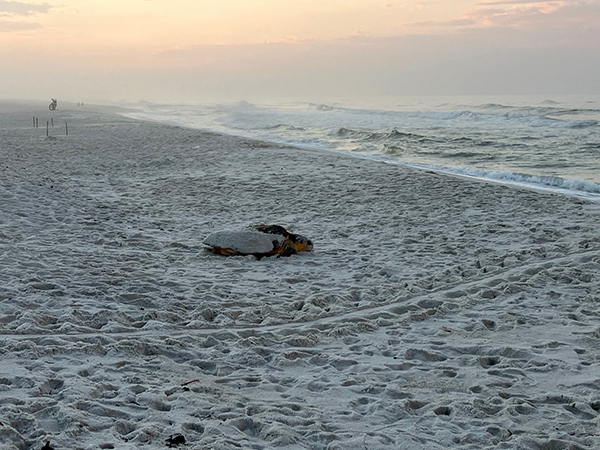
(284, 248)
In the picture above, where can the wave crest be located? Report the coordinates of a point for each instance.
(571, 184)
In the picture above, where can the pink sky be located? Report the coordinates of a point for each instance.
(174, 50)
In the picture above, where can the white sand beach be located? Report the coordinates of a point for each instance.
(435, 312)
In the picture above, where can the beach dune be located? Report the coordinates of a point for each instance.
(434, 312)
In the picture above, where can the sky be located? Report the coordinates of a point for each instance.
(197, 50)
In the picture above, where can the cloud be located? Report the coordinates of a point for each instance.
(478, 61)
(493, 60)
(547, 15)
(358, 53)
(458, 23)
(17, 11)
(524, 14)
(409, 6)
(516, 2)
(12, 9)
(8, 27)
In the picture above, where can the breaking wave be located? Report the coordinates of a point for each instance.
(569, 184)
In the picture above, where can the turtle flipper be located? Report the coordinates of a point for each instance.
(284, 248)
(225, 251)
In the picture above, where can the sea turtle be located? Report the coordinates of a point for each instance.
(258, 240)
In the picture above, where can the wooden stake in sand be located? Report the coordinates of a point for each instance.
(52, 121)
(34, 122)
(66, 128)
(47, 126)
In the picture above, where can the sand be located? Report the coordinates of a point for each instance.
(435, 311)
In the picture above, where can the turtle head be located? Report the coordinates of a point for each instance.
(300, 243)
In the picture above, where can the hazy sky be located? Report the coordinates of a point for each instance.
(195, 50)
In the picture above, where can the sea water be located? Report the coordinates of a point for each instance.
(546, 143)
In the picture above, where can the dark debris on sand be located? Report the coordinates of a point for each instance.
(175, 440)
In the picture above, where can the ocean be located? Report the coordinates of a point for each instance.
(550, 143)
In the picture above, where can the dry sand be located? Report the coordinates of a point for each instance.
(435, 312)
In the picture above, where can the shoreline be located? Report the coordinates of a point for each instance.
(435, 311)
(570, 183)
(122, 111)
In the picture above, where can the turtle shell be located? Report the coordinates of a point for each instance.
(245, 242)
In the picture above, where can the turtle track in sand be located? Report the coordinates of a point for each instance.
(380, 373)
(400, 310)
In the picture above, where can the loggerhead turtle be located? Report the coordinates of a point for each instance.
(258, 240)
